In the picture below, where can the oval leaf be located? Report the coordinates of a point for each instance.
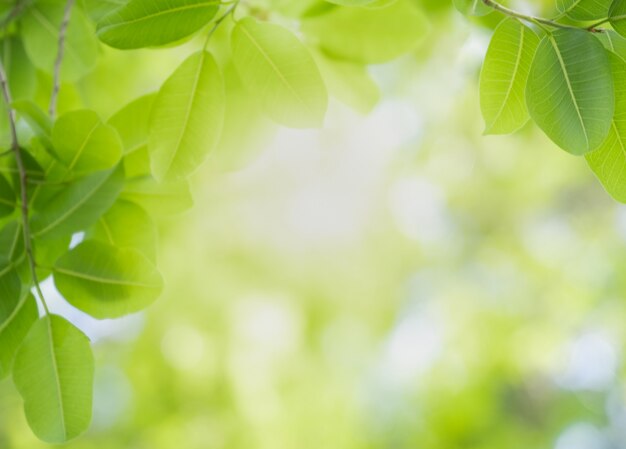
(187, 118)
(159, 199)
(608, 162)
(79, 205)
(132, 122)
(368, 35)
(570, 90)
(127, 225)
(584, 9)
(617, 16)
(504, 75)
(148, 23)
(105, 281)
(53, 371)
(14, 328)
(85, 144)
(279, 71)
(40, 30)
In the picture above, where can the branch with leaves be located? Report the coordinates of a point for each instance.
(72, 172)
(568, 79)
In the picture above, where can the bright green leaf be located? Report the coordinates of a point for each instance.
(584, 9)
(278, 70)
(127, 225)
(85, 144)
(368, 35)
(79, 205)
(349, 82)
(53, 371)
(149, 23)
(159, 199)
(105, 281)
(504, 76)
(608, 162)
(132, 122)
(22, 314)
(40, 31)
(570, 90)
(187, 118)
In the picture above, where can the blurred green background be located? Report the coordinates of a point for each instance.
(394, 280)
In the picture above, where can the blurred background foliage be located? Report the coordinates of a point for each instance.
(394, 280)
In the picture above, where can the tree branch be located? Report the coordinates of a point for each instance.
(56, 83)
(533, 19)
(15, 11)
(23, 177)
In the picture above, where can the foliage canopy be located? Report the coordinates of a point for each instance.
(81, 191)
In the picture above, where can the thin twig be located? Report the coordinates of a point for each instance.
(56, 83)
(15, 11)
(17, 150)
(219, 21)
(533, 19)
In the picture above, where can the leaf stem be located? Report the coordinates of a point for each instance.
(532, 19)
(56, 84)
(597, 24)
(23, 177)
(218, 22)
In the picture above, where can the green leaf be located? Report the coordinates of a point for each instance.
(14, 328)
(105, 281)
(149, 23)
(7, 198)
(584, 9)
(53, 371)
(617, 16)
(504, 76)
(21, 74)
(137, 163)
(279, 71)
(12, 241)
(84, 144)
(38, 121)
(40, 32)
(368, 35)
(97, 9)
(349, 82)
(472, 7)
(570, 90)
(132, 122)
(159, 199)
(127, 225)
(187, 118)
(608, 162)
(10, 289)
(613, 42)
(47, 252)
(79, 205)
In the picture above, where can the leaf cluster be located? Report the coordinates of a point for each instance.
(81, 194)
(567, 74)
